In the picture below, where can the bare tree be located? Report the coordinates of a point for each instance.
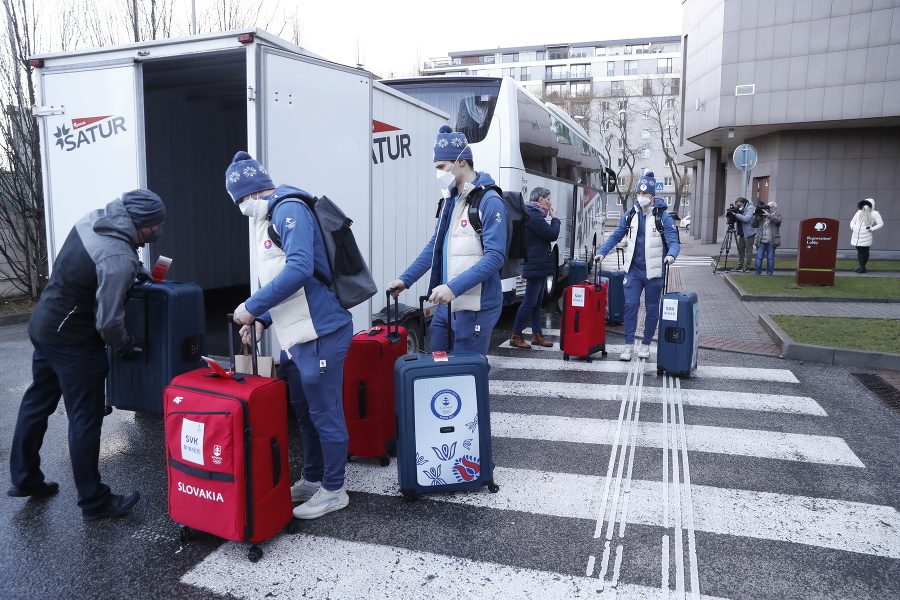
(660, 102)
(22, 241)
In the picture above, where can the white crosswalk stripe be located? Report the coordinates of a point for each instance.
(611, 502)
(693, 261)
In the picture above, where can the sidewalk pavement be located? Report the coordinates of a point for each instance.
(729, 323)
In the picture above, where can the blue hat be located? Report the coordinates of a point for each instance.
(646, 184)
(245, 176)
(451, 146)
(144, 207)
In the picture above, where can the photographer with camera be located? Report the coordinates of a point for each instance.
(742, 211)
(767, 221)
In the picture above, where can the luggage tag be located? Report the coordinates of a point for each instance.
(439, 356)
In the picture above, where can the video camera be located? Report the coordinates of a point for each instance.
(761, 209)
(730, 213)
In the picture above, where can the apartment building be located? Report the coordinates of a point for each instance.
(592, 81)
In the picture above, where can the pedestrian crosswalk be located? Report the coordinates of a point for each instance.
(619, 494)
(693, 261)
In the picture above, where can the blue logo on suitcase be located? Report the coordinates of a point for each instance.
(446, 404)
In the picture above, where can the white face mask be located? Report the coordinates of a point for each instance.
(445, 178)
(253, 207)
(644, 201)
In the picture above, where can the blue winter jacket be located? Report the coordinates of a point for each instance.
(487, 270)
(539, 236)
(304, 251)
(670, 233)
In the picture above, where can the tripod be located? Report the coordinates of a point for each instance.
(730, 234)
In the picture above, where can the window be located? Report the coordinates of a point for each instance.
(637, 49)
(631, 67)
(670, 103)
(525, 74)
(581, 89)
(557, 53)
(645, 134)
(668, 181)
(581, 71)
(676, 87)
(621, 144)
(648, 87)
(604, 106)
(555, 89)
(581, 52)
(606, 125)
(645, 114)
(510, 72)
(616, 86)
(563, 134)
(531, 56)
(621, 162)
(670, 123)
(511, 57)
(664, 65)
(556, 72)
(645, 153)
(623, 104)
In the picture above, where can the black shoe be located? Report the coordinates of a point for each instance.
(856, 270)
(115, 506)
(863, 270)
(44, 490)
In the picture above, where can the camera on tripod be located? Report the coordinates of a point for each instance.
(730, 213)
(761, 208)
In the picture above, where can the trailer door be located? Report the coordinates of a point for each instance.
(91, 127)
(314, 132)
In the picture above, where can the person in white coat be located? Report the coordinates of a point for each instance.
(865, 221)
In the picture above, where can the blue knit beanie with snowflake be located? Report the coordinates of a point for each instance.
(451, 146)
(246, 176)
(646, 184)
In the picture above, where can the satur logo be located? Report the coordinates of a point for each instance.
(397, 145)
(88, 130)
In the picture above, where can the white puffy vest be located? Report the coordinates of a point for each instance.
(291, 319)
(463, 250)
(653, 244)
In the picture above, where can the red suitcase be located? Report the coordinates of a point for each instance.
(583, 329)
(369, 388)
(226, 454)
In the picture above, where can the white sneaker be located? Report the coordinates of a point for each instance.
(644, 352)
(627, 354)
(322, 503)
(303, 490)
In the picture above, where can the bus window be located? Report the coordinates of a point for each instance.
(537, 139)
(470, 104)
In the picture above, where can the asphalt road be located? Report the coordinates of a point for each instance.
(758, 478)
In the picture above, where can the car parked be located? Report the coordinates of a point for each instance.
(686, 222)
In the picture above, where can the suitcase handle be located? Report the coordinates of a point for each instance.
(422, 300)
(253, 349)
(393, 336)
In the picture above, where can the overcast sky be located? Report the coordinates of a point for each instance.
(397, 35)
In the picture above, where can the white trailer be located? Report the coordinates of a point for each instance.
(169, 115)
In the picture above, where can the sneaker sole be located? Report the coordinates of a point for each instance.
(328, 508)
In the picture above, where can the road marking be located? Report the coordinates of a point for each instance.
(617, 366)
(795, 405)
(837, 524)
(700, 438)
(390, 573)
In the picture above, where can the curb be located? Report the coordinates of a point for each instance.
(826, 354)
(739, 291)
(14, 319)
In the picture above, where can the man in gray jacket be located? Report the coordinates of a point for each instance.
(746, 235)
(80, 312)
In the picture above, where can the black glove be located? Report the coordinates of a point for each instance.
(143, 275)
(126, 351)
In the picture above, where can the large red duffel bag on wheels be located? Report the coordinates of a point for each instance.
(226, 454)
(369, 388)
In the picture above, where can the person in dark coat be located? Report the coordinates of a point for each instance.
(539, 235)
(79, 314)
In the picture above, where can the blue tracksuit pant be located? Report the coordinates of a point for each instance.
(471, 329)
(315, 375)
(636, 282)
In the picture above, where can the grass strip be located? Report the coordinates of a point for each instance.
(852, 333)
(844, 287)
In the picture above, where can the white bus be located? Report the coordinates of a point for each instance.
(524, 143)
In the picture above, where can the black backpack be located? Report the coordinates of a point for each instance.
(352, 281)
(515, 226)
(657, 215)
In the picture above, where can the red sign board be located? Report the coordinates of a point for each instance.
(817, 251)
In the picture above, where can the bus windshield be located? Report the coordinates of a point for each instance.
(469, 102)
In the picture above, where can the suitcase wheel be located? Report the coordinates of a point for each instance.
(604, 354)
(185, 534)
(493, 487)
(409, 495)
(659, 371)
(254, 554)
(565, 357)
(384, 460)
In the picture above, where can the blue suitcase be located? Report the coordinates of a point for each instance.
(169, 322)
(578, 272)
(679, 334)
(615, 297)
(443, 423)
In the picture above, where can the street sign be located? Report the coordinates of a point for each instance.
(659, 186)
(745, 157)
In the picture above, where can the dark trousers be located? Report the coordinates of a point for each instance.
(862, 255)
(745, 251)
(78, 375)
(531, 305)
